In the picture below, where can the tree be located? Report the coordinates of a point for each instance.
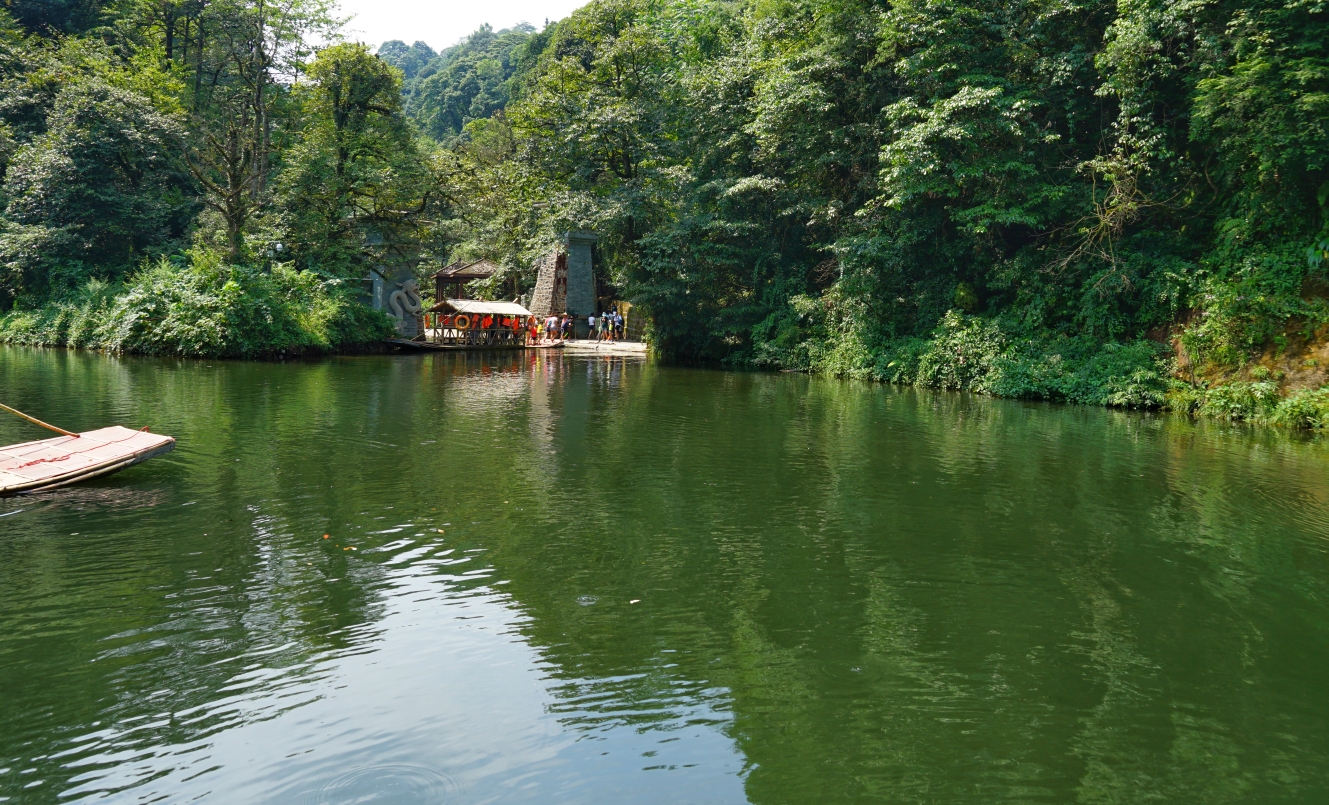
(410, 60)
(467, 82)
(253, 47)
(355, 182)
(102, 189)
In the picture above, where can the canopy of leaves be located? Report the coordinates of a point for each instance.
(354, 174)
(409, 60)
(770, 178)
(466, 82)
(99, 189)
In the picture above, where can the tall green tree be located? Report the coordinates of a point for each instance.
(355, 182)
(409, 59)
(99, 190)
(249, 52)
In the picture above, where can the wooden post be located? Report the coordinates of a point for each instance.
(36, 421)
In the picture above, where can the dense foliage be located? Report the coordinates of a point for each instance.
(193, 178)
(1041, 199)
(1108, 203)
(206, 308)
(468, 81)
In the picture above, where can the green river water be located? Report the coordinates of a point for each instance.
(607, 581)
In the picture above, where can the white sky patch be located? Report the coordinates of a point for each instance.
(443, 22)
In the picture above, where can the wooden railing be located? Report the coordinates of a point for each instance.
(439, 332)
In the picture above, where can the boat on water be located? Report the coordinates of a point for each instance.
(74, 457)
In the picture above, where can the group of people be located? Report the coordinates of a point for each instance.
(608, 326)
(553, 328)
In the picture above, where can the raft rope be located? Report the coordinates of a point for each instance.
(37, 421)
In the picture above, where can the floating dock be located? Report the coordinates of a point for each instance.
(602, 348)
(625, 348)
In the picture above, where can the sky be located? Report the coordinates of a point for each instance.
(443, 22)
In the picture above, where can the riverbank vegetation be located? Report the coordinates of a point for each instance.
(1106, 203)
(193, 179)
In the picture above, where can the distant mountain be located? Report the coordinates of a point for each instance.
(470, 80)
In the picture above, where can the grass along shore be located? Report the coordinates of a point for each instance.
(203, 308)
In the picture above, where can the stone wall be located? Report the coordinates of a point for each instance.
(565, 279)
(551, 285)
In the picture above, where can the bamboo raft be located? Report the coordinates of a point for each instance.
(73, 457)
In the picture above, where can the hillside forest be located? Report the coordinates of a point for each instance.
(1121, 203)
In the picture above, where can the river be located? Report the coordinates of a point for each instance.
(557, 580)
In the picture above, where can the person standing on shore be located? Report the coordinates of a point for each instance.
(590, 333)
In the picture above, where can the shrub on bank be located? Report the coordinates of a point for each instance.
(1257, 401)
(973, 354)
(1308, 408)
(203, 309)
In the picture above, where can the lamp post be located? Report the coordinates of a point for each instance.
(274, 253)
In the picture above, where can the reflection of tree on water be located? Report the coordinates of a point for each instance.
(181, 599)
(190, 607)
(959, 605)
(877, 595)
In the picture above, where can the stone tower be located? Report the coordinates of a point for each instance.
(581, 281)
(551, 285)
(565, 281)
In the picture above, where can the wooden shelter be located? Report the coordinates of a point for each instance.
(473, 323)
(450, 281)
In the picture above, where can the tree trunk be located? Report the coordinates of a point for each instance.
(198, 69)
(234, 227)
(260, 174)
(170, 34)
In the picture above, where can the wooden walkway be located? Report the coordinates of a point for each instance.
(625, 348)
(605, 348)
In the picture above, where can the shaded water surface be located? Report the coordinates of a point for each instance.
(604, 582)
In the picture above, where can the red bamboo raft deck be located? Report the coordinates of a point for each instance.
(45, 464)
